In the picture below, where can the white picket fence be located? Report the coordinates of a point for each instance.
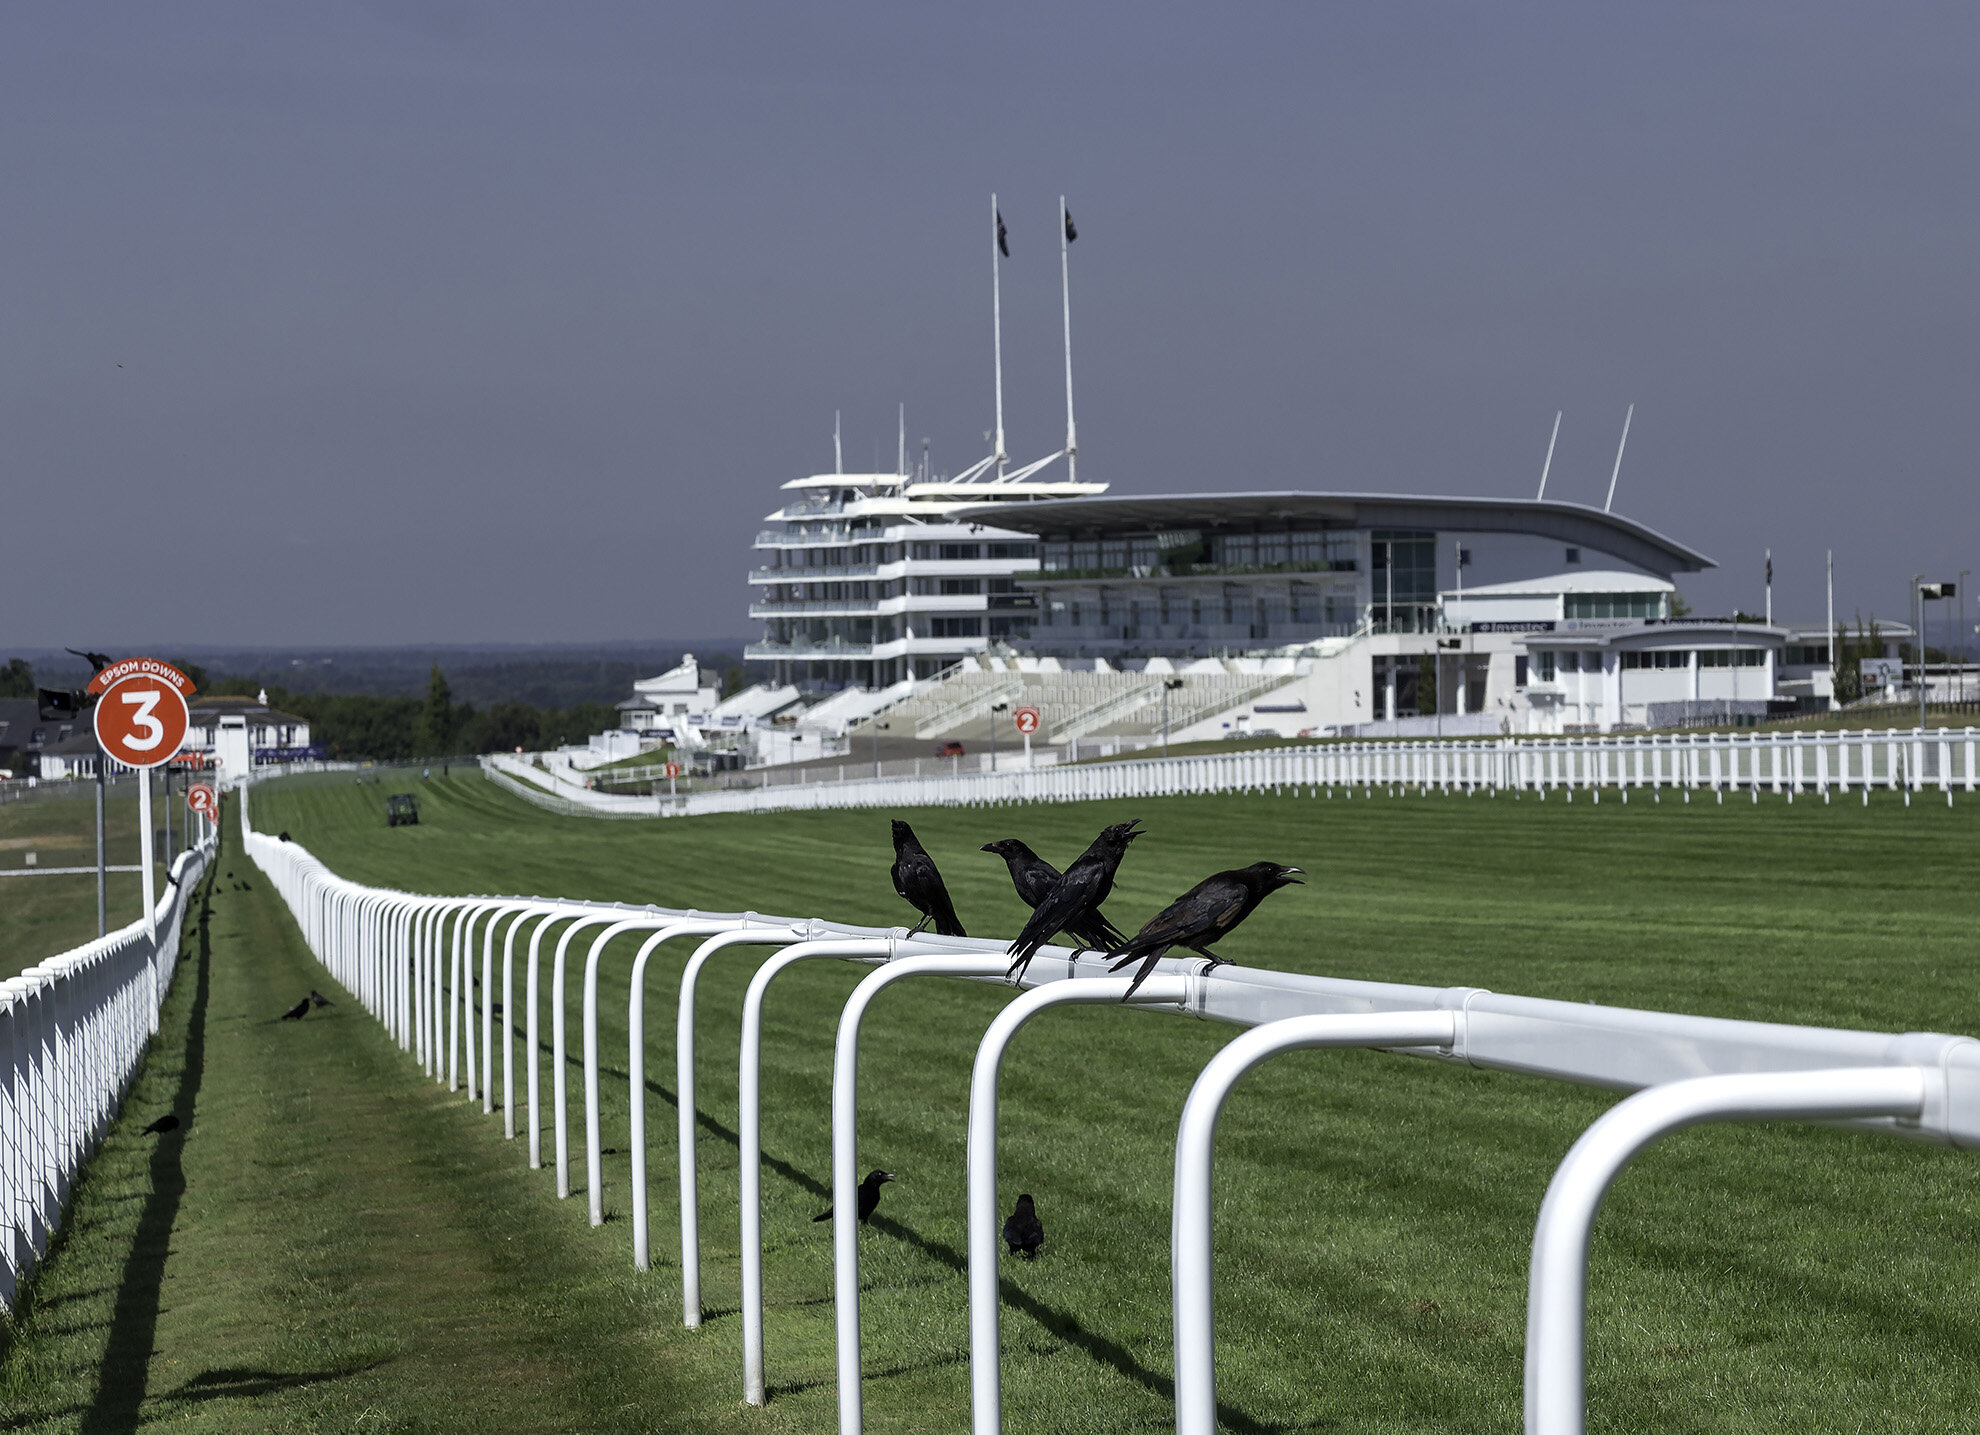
(409, 958)
(73, 1030)
(1818, 764)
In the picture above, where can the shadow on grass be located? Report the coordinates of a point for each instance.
(134, 1326)
(229, 1384)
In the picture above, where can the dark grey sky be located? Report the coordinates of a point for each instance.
(450, 322)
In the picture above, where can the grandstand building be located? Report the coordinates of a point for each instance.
(868, 580)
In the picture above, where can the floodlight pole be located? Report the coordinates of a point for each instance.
(1962, 632)
(1918, 592)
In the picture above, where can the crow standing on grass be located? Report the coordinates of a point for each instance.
(1076, 897)
(316, 998)
(916, 879)
(167, 1122)
(1024, 1233)
(1034, 879)
(298, 1011)
(869, 1197)
(1206, 913)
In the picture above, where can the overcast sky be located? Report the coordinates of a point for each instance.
(408, 321)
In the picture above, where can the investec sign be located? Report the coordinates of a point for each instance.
(1533, 625)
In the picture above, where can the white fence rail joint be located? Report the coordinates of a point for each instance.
(387, 947)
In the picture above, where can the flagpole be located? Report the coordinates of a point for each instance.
(1065, 295)
(900, 455)
(838, 453)
(997, 328)
(1770, 586)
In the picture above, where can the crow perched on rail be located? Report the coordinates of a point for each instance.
(1206, 913)
(916, 879)
(1076, 897)
(1034, 879)
(1024, 1233)
(869, 1197)
(167, 1122)
(298, 1011)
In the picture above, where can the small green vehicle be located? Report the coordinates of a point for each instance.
(402, 810)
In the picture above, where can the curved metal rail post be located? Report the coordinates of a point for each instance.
(545, 910)
(749, 1118)
(845, 1153)
(1557, 1289)
(985, 1366)
(559, 1075)
(531, 1038)
(515, 911)
(1190, 1219)
(685, 1102)
(669, 927)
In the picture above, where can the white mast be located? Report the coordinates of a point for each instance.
(997, 323)
(838, 453)
(1550, 457)
(1770, 587)
(900, 458)
(1617, 473)
(1831, 643)
(1065, 295)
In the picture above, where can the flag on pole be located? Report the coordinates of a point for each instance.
(1072, 230)
(1003, 243)
(1770, 568)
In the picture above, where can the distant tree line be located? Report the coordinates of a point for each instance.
(358, 726)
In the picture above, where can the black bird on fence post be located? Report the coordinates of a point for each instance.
(1024, 1233)
(916, 879)
(1034, 879)
(1075, 897)
(869, 1197)
(1207, 912)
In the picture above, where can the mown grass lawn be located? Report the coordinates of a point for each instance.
(1374, 1213)
(43, 915)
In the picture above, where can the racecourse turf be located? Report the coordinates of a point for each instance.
(1374, 1212)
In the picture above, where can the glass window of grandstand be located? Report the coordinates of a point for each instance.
(1660, 658)
(1725, 658)
(1614, 605)
(1403, 580)
(960, 552)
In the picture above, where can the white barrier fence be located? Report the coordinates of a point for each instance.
(408, 958)
(1816, 764)
(72, 1032)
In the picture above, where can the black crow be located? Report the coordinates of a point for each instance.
(316, 998)
(298, 1011)
(98, 661)
(1034, 879)
(283, 837)
(1076, 897)
(1206, 913)
(916, 879)
(869, 1197)
(167, 1122)
(1024, 1233)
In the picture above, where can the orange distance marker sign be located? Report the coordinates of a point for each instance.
(201, 798)
(1026, 720)
(141, 716)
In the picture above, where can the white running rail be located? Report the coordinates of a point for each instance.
(401, 954)
(1825, 765)
(73, 1030)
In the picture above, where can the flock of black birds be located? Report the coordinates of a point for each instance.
(1069, 902)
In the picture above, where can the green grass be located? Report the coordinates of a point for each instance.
(329, 1242)
(1374, 1213)
(41, 916)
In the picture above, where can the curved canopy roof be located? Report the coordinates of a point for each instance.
(1569, 523)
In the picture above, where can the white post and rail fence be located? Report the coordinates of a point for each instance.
(409, 959)
(1905, 763)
